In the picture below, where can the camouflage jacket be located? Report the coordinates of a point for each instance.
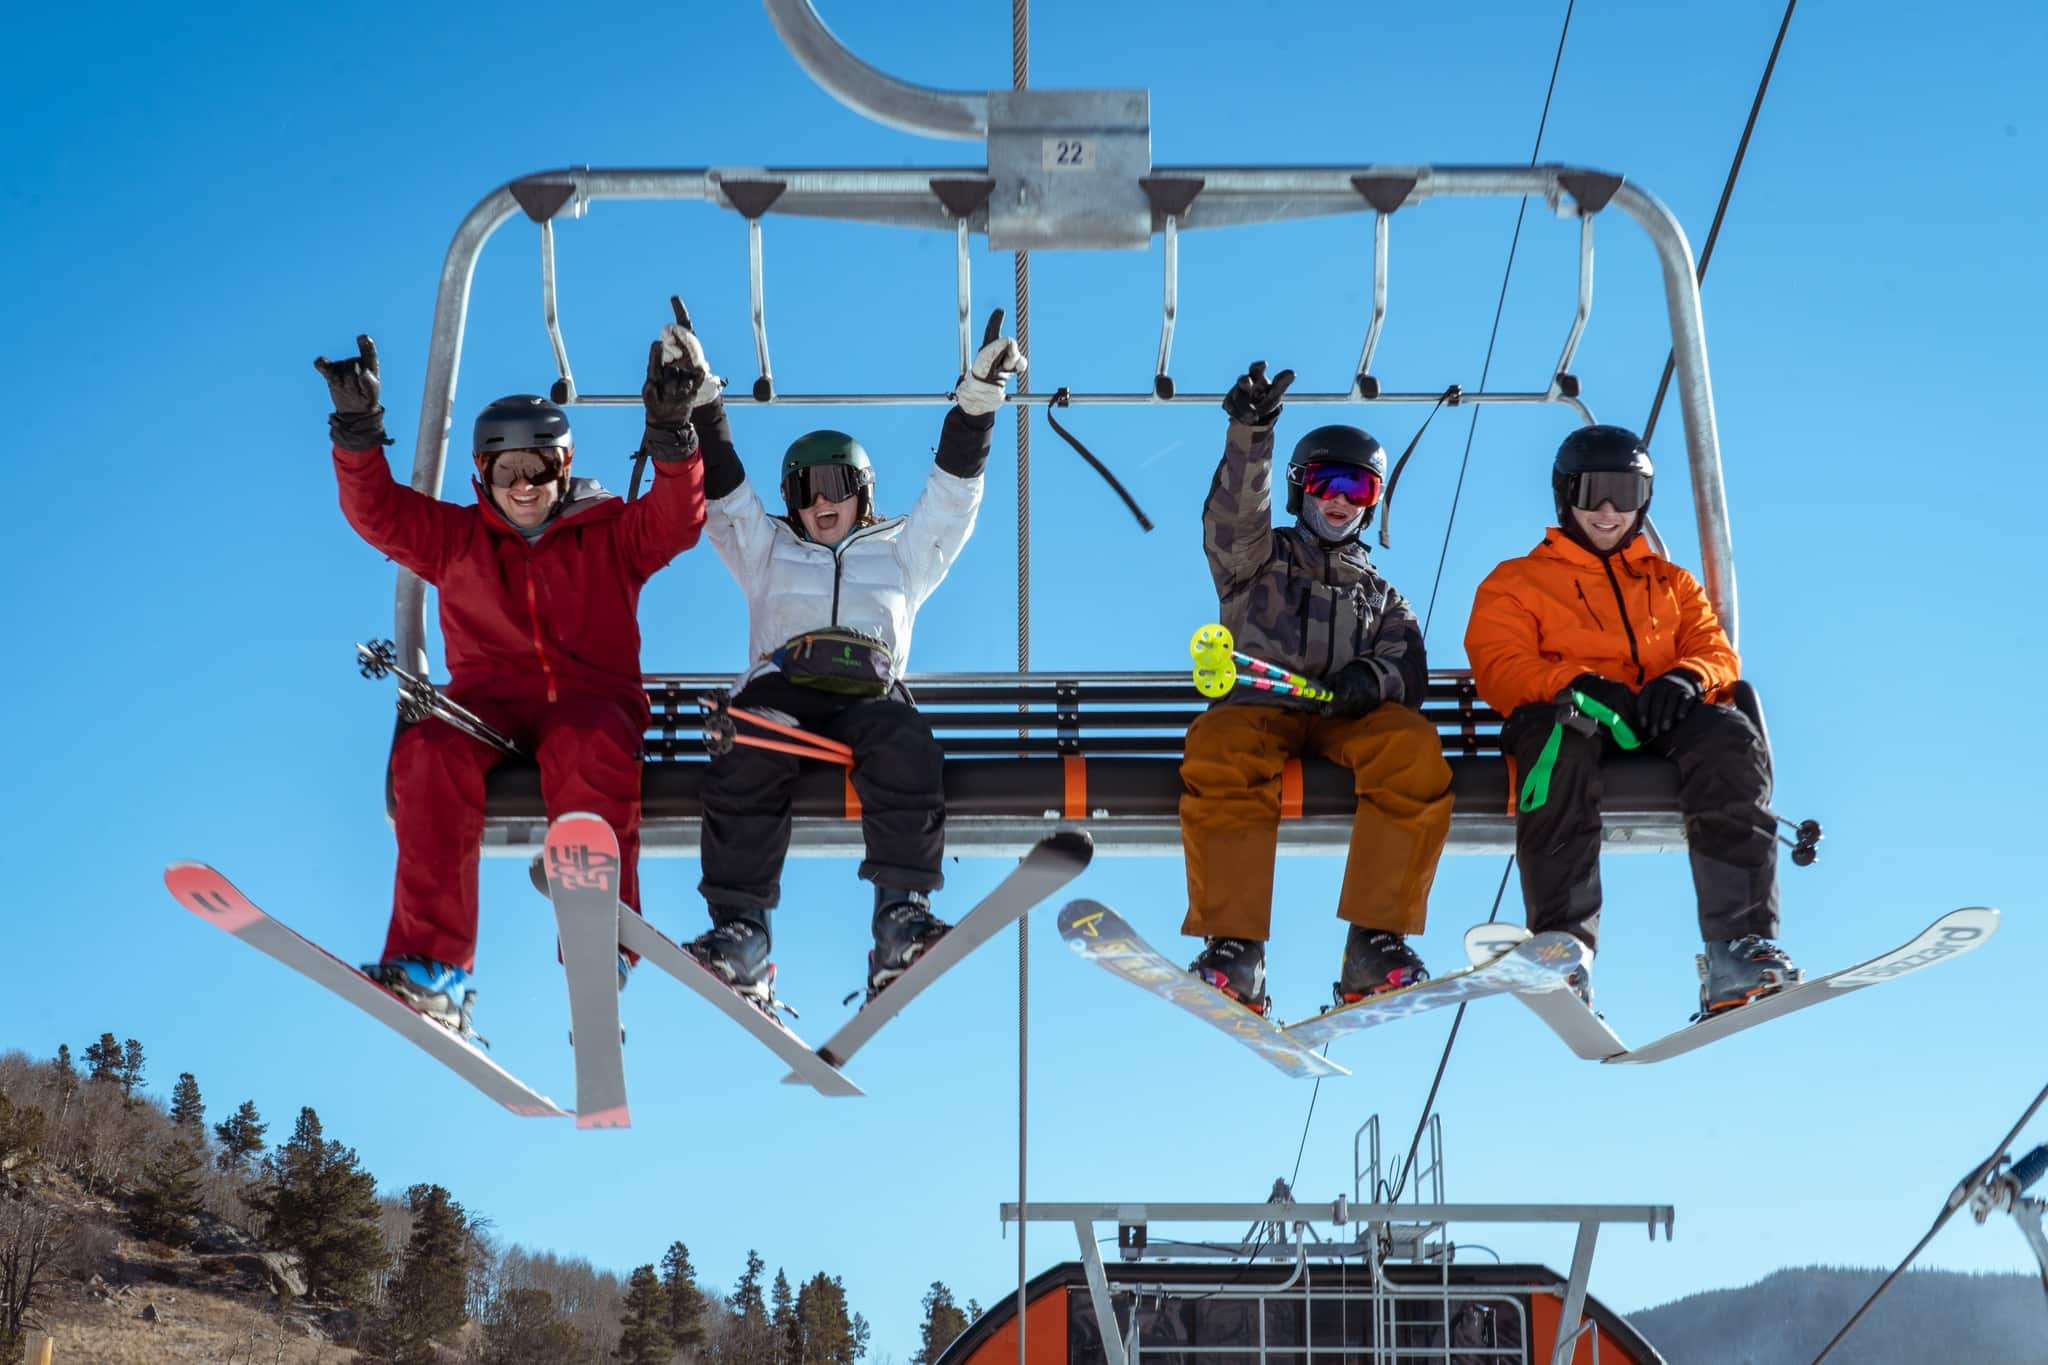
(1289, 598)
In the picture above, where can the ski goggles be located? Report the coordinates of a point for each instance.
(1627, 489)
(535, 466)
(832, 482)
(1330, 479)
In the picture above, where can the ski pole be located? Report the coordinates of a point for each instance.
(1218, 660)
(418, 698)
(1583, 715)
(720, 733)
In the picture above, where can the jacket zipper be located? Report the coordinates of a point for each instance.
(1615, 583)
(533, 616)
(1580, 588)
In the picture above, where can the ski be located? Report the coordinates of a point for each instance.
(1099, 934)
(1956, 933)
(1583, 1031)
(583, 882)
(1539, 965)
(212, 897)
(655, 947)
(1056, 860)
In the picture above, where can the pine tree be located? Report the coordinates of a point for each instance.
(321, 1205)
(749, 1340)
(63, 1074)
(187, 1109)
(103, 1059)
(686, 1305)
(131, 1069)
(524, 1328)
(782, 1321)
(943, 1321)
(426, 1299)
(166, 1205)
(827, 1333)
(862, 1332)
(241, 1137)
(643, 1327)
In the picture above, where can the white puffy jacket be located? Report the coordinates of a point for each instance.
(873, 580)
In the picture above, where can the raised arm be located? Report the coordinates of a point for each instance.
(1237, 517)
(417, 531)
(942, 518)
(667, 521)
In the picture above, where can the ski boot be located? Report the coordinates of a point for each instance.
(1375, 962)
(904, 926)
(736, 950)
(1236, 967)
(1738, 971)
(436, 989)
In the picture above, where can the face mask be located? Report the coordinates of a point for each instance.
(1320, 526)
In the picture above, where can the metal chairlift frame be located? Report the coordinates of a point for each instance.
(1071, 170)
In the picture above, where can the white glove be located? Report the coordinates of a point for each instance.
(680, 344)
(986, 384)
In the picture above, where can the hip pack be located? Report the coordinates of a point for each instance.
(840, 659)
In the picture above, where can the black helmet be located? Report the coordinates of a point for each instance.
(816, 449)
(523, 421)
(1336, 444)
(1602, 450)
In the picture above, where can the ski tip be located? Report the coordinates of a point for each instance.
(615, 1117)
(575, 817)
(1082, 919)
(1075, 843)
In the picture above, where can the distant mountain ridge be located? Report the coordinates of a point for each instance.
(1930, 1317)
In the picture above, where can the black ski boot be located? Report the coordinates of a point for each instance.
(1740, 970)
(1375, 962)
(736, 948)
(904, 927)
(1237, 967)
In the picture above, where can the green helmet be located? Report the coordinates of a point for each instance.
(829, 463)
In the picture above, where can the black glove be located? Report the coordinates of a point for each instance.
(357, 422)
(1357, 685)
(1255, 400)
(1616, 697)
(673, 390)
(1666, 699)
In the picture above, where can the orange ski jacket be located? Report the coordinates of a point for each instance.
(1561, 610)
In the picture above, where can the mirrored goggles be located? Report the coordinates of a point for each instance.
(1359, 483)
(534, 466)
(1627, 489)
(832, 482)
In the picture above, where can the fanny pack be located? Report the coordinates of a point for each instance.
(840, 659)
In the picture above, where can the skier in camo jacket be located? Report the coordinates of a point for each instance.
(1307, 597)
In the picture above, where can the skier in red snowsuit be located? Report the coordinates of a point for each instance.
(539, 584)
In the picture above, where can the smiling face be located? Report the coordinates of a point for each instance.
(1603, 527)
(1339, 511)
(514, 490)
(828, 522)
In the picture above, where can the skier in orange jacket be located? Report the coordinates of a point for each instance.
(1594, 610)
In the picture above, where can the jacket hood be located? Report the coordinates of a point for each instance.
(1559, 543)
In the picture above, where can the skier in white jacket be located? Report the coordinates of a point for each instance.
(832, 594)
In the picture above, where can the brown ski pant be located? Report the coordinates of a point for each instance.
(1230, 813)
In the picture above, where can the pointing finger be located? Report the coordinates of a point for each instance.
(367, 349)
(321, 363)
(675, 301)
(994, 328)
(654, 362)
(1280, 383)
(1257, 372)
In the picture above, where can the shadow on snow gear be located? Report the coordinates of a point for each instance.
(904, 927)
(1735, 972)
(438, 990)
(1376, 962)
(1237, 967)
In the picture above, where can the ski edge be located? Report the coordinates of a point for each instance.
(1344, 1020)
(1589, 1036)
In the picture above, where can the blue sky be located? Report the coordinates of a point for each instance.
(202, 200)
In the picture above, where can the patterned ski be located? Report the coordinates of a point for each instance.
(583, 883)
(1058, 859)
(1583, 1031)
(1539, 965)
(1099, 934)
(1956, 933)
(643, 938)
(212, 897)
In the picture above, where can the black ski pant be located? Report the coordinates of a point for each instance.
(898, 775)
(1724, 796)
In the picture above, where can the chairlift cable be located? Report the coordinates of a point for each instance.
(1020, 72)
(1957, 1198)
(1721, 209)
(1500, 305)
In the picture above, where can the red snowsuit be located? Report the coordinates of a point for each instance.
(543, 642)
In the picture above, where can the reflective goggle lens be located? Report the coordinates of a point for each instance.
(1627, 489)
(534, 466)
(832, 482)
(1356, 482)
